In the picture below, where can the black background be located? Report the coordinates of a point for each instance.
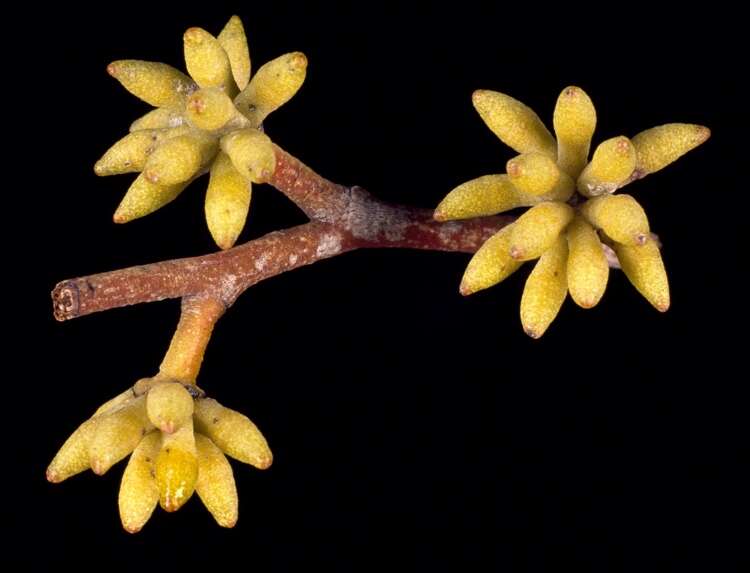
(410, 426)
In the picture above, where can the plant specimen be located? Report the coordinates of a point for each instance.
(211, 122)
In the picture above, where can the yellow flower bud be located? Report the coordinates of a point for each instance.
(272, 86)
(644, 268)
(139, 493)
(209, 109)
(119, 400)
(176, 468)
(491, 263)
(180, 158)
(117, 434)
(611, 167)
(588, 269)
(155, 83)
(514, 123)
(144, 197)
(227, 201)
(215, 485)
(73, 456)
(545, 289)
(169, 406)
(537, 229)
(232, 38)
(485, 195)
(207, 62)
(234, 433)
(574, 121)
(538, 175)
(132, 151)
(620, 216)
(659, 146)
(251, 153)
(159, 118)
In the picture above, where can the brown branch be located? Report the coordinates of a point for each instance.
(343, 219)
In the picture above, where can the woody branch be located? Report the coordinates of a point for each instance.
(342, 219)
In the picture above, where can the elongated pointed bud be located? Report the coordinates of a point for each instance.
(611, 167)
(155, 83)
(73, 456)
(160, 118)
(227, 201)
(117, 434)
(574, 121)
(177, 468)
(210, 109)
(545, 289)
(169, 406)
(233, 432)
(180, 158)
(215, 485)
(128, 154)
(514, 123)
(234, 41)
(491, 263)
(644, 268)
(538, 175)
(139, 493)
(620, 216)
(144, 197)
(659, 146)
(538, 228)
(487, 195)
(207, 62)
(588, 269)
(120, 400)
(132, 151)
(251, 153)
(272, 86)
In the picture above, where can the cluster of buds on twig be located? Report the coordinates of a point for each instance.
(176, 439)
(208, 122)
(573, 210)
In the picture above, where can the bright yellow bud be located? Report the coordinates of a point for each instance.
(538, 228)
(139, 493)
(155, 83)
(215, 485)
(176, 468)
(232, 38)
(545, 289)
(487, 195)
(209, 109)
(491, 263)
(659, 146)
(144, 197)
(620, 216)
(180, 158)
(272, 86)
(588, 269)
(169, 406)
(117, 434)
(644, 268)
(251, 153)
(207, 62)
(227, 201)
(538, 175)
(574, 120)
(233, 432)
(611, 167)
(514, 123)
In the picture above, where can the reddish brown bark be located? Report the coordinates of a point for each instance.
(342, 219)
